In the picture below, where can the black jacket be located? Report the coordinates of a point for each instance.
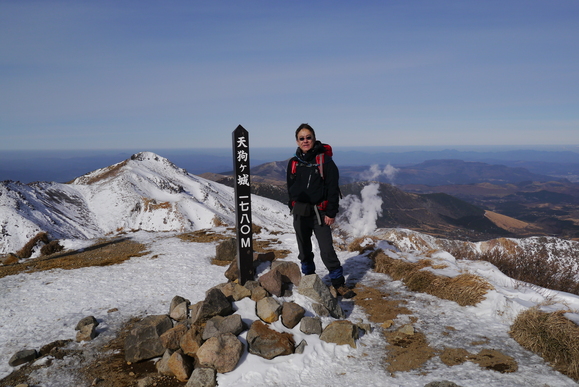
(307, 186)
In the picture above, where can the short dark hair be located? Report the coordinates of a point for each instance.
(305, 126)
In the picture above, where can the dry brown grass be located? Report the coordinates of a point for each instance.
(550, 335)
(52, 247)
(104, 253)
(266, 246)
(464, 289)
(210, 236)
(26, 251)
(203, 236)
(218, 222)
(106, 173)
(152, 205)
(356, 244)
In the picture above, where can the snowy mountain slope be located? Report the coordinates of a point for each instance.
(552, 249)
(145, 192)
(56, 208)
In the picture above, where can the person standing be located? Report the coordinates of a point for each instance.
(314, 195)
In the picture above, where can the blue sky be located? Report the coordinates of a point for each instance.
(183, 74)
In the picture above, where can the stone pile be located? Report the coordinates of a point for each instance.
(196, 342)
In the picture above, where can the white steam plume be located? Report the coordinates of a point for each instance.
(362, 214)
(374, 172)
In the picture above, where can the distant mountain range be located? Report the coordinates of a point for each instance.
(431, 212)
(149, 192)
(544, 205)
(63, 166)
(430, 172)
(444, 172)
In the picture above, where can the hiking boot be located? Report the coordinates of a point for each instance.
(345, 292)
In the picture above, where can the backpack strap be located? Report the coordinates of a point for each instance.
(294, 167)
(320, 159)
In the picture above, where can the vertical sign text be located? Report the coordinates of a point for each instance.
(242, 186)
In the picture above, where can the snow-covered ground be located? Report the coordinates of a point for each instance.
(38, 308)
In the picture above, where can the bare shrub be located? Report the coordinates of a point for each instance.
(26, 251)
(218, 222)
(362, 244)
(550, 335)
(462, 251)
(51, 248)
(464, 289)
(534, 268)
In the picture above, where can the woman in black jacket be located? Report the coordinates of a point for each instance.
(314, 195)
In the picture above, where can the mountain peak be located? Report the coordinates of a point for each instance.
(146, 156)
(149, 160)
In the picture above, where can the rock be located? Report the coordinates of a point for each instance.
(232, 272)
(301, 347)
(267, 343)
(291, 314)
(312, 286)
(235, 291)
(320, 310)
(191, 342)
(407, 329)
(218, 325)
(226, 250)
(203, 377)
(311, 326)
(176, 301)
(221, 353)
(180, 312)
(163, 364)
(387, 324)
(258, 293)
(364, 327)
(180, 365)
(341, 332)
(215, 304)
(86, 321)
(86, 333)
(272, 282)
(22, 357)
(51, 348)
(444, 383)
(250, 285)
(147, 381)
(143, 341)
(290, 271)
(172, 338)
(268, 309)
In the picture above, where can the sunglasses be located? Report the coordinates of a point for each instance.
(305, 138)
